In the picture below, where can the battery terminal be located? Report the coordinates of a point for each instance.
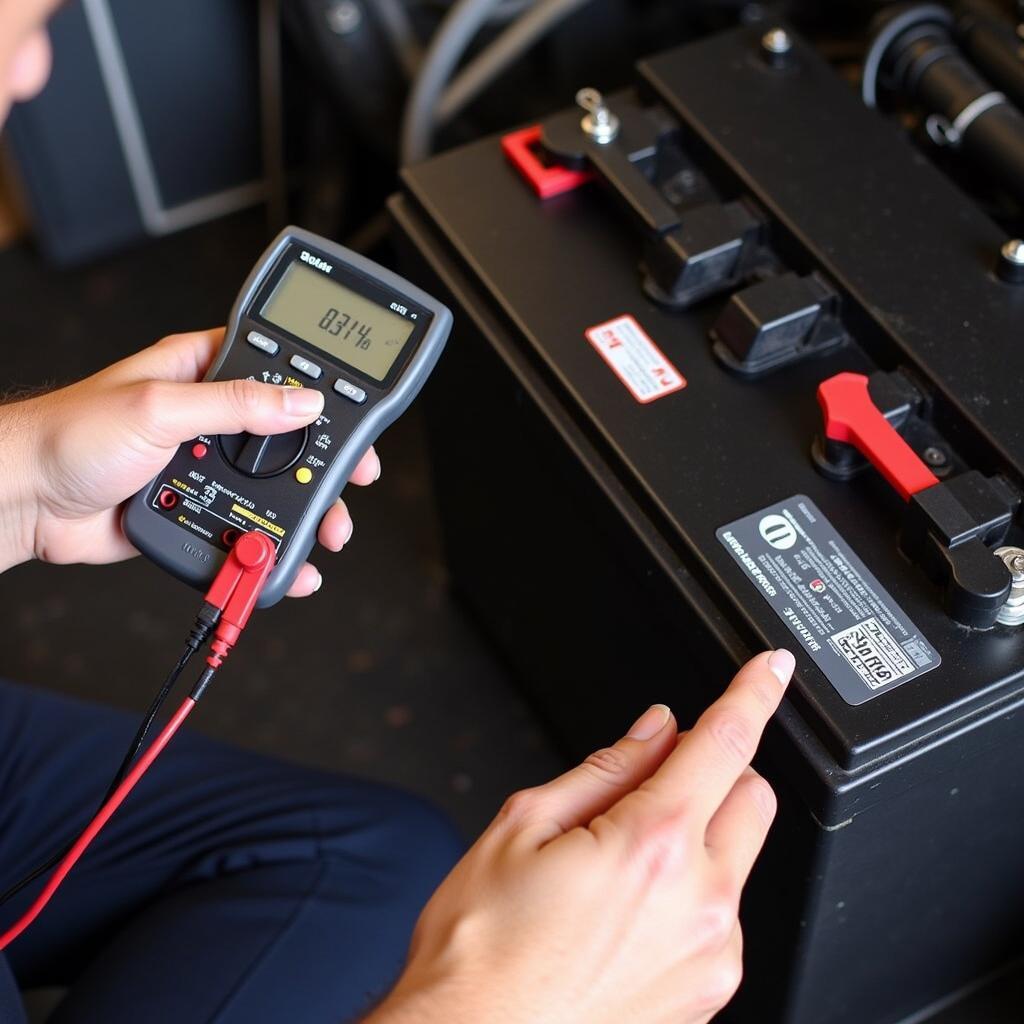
(599, 122)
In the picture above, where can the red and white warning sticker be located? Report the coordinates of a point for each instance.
(628, 349)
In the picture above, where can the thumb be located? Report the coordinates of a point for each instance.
(167, 413)
(593, 787)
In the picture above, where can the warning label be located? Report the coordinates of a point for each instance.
(627, 348)
(832, 604)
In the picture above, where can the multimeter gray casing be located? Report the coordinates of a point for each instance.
(188, 516)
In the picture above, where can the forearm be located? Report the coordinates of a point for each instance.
(18, 504)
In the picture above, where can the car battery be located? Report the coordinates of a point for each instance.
(736, 367)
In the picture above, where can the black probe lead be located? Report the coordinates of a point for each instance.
(225, 613)
(198, 636)
(106, 812)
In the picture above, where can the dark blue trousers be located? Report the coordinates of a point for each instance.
(229, 887)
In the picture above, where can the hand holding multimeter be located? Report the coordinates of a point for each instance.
(310, 315)
(233, 513)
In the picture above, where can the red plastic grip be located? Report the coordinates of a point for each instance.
(520, 148)
(237, 587)
(853, 418)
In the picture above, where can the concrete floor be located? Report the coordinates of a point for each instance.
(380, 674)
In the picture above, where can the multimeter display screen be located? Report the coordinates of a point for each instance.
(338, 320)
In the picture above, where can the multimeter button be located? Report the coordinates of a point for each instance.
(199, 450)
(350, 391)
(303, 474)
(306, 367)
(263, 343)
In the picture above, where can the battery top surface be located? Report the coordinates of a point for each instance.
(910, 254)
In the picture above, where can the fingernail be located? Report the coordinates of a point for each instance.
(351, 530)
(650, 723)
(302, 401)
(319, 583)
(379, 467)
(782, 664)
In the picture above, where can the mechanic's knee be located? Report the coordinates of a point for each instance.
(403, 840)
(422, 840)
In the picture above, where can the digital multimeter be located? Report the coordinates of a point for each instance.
(311, 314)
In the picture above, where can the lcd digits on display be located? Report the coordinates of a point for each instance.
(338, 320)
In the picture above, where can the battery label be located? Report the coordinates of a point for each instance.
(627, 348)
(841, 615)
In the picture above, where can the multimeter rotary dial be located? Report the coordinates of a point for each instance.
(262, 457)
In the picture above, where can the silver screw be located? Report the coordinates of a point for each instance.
(599, 123)
(776, 41)
(1012, 613)
(934, 456)
(1013, 252)
(343, 17)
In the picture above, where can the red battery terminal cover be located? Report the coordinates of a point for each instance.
(851, 417)
(546, 180)
(237, 588)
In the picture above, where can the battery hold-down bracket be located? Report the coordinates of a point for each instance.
(951, 526)
(697, 243)
(694, 243)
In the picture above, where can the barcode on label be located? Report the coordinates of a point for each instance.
(873, 653)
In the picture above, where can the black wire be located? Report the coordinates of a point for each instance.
(147, 724)
(126, 764)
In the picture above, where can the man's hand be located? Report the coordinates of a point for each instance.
(610, 894)
(68, 459)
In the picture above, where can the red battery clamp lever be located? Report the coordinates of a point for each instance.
(851, 417)
(951, 527)
(546, 180)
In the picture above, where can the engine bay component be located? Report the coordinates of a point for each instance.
(915, 57)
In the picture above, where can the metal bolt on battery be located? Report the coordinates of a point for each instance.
(599, 123)
(1012, 613)
(1010, 266)
(776, 41)
(343, 17)
(1013, 251)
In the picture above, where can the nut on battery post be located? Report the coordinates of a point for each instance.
(1012, 612)
(777, 48)
(599, 123)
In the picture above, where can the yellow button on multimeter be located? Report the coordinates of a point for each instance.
(303, 474)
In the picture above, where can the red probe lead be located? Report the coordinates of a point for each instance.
(231, 600)
(104, 815)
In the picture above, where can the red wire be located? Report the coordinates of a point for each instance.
(103, 816)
